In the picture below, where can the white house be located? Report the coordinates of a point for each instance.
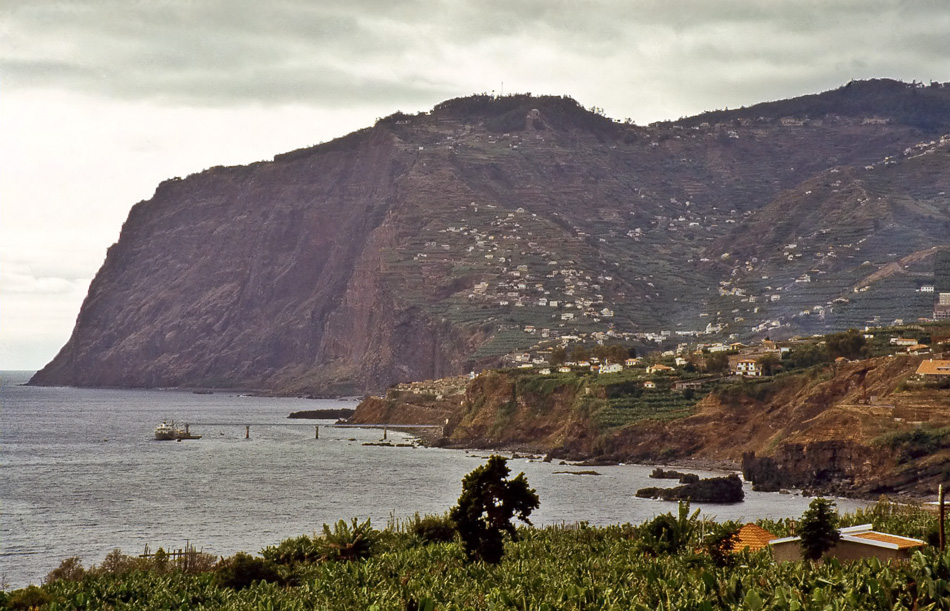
(747, 367)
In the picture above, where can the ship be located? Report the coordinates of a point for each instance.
(170, 432)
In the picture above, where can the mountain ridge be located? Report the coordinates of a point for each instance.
(425, 245)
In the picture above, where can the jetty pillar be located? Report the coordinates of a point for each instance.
(247, 431)
(384, 433)
(316, 431)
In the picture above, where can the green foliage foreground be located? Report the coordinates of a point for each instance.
(565, 567)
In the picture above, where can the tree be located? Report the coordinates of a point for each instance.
(617, 354)
(769, 363)
(808, 355)
(721, 542)
(850, 345)
(819, 528)
(488, 503)
(580, 353)
(557, 357)
(717, 362)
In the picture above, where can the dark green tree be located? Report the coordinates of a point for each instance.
(819, 528)
(850, 344)
(557, 357)
(808, 355)
(717, 362)
(617, 354)
(580, 353)
(721, 542)
(769, 363)
(488, 502)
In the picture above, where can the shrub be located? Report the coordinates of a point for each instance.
(291, 551)
(433, 529)
(241, 570)
(30, 597)
(70, 569)
(347, 543)
(721, 542)
(666, 534)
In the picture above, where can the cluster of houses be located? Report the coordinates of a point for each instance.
(743, 360)
(507, 245)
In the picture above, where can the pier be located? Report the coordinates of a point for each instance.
(316, 435)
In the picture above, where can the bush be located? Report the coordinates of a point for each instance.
(347, 543)
(30, 597)
(721, 542)
(433, 529)
(668, 535)
(70, 569)
(292, 551)
(241, 570)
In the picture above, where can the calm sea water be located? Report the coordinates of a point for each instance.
(81, 475)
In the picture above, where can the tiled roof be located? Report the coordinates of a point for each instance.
(900, 542)
(753, 538)
(934, 367)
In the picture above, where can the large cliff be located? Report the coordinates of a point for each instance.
(424, 245)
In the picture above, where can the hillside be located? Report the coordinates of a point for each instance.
(425, 245)
(865, 427)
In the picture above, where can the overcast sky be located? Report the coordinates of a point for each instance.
(102, 100)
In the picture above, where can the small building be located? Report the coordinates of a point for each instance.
(933, 368)
(612, 368)
(659, 368)
(649, 384)
(903, 341)
(748, 368)
(856, 542)
(631, 362)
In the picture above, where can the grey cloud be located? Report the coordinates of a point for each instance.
(226, 52)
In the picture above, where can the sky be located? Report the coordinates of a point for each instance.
(101, 100)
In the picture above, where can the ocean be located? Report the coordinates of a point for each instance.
(81, 475)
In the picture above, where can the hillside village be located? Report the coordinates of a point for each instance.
(691, 367)
(508, 269)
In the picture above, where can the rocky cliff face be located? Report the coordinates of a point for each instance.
(423, 246)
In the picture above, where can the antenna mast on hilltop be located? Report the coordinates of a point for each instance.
(502, 94)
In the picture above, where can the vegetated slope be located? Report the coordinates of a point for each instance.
(423, 246)
(858, 428)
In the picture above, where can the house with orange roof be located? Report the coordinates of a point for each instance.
(934, 368)
(748, 368)
(752, 537)
(856, 542)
